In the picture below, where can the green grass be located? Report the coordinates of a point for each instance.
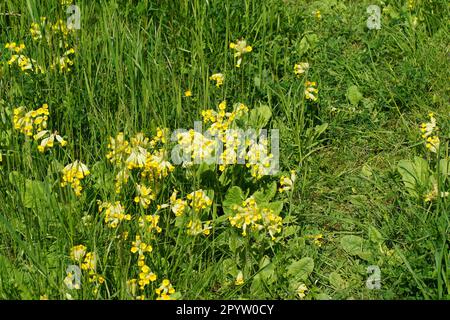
(133, 62)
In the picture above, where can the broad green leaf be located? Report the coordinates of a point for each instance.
(415, 175)
(355, 246)
(336, 281)
(276, 206)
(375, 235)
(34, 194)
(354, 95)
(301, 269)
(233, 197)
(444, 167)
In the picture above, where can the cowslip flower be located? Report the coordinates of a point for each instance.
(188, 93)
(195, 227)
(145, 196)
(241, 48)
(78, 252)
(149, 223)
(146, 276)
(73, 173)
(218, 78)
(302, 288)
(239, 279)
(90, 262)
(165, 290)
(114, 213)
(140, 247)
(199, 200)
(311, 91)
(178, 206)
(301, 68)
(287, 183)
(48, 142)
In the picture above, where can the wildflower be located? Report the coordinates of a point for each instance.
(178, 206)
(196, 146)
(241, 48)
(31, 121)
(156, 166)
(188, 93)
(199, 200)
(121, 178)
(311, 90)
(301, 68)
(48, 141)
(114, 213)
(287, 183)
(12, 46)
(195, 227)
(64, 62)
(145, 277)
(90, 262)
(119, 149)
(258, 159)
(302, 288)
(432, 144)
(71, 281)
(317, 239)
(145, 196)
(140, 247)
(239, 279)
(35, 31)
(78, 252)
(150, 223)
(165, 290)
(73, 173)
(317, 14)
(428, 128)
(249, 216)
(218, 78)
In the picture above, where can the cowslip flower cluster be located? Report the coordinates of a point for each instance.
(64, 62)
(114, 213)
(301, 68)
(287, 183)
(219, 78)
(73, 173)
(196, 227)
(88, 263)
(34, 123)
(311, 90)
(165, 290)
(249, 216)
(428, 130)
(258, 158)
(240, 47)
(199, 200)
(196, 147)
(178, 206)
(24, 63)
(143, 155)
(149, 223)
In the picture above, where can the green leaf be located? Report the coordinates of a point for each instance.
(301, 269)
(260, 116)
(34, 194)
(234, 196)
(276, 206)
(415, 175)
(266, 194)
(354, 95)
(375, 235)
(444, 167)
(336, 281)
(355, 246)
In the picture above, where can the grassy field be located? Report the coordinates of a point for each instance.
(95, 206)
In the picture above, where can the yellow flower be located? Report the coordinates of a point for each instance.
(241, 48)
(218, 78)
(165, 290)
(78, 252)
(178, 206)
(90, 262)
(140, 247)
(114, 213)
(119, 149)
(145, 277)
(432, 144)
(302, 288)
(150, 223)
(301, 68)
(311, 90)
(188, 93)
(48, 142)
(145, 196)
(73, 174)
(199, 200)
(317, 14)
(287, 183)
(239, 279)
(195, 227)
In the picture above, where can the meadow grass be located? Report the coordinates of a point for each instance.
(350, 207)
